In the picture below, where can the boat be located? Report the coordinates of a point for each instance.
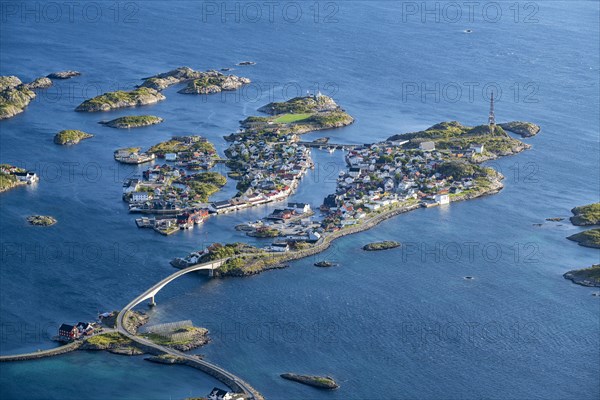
(331, 150)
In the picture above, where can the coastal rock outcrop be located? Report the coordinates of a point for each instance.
(16, 95)
(132, 121)
(120, 99)
(321, 382)
(385, 245)
(199, 82)
(585, 277)
(39, 83)
(70, 137)
(41, 220)
(589, 238)
(525, 129)
(300, 105)
(8, 82)
(214, 82)
(63, 74)
(586, 215)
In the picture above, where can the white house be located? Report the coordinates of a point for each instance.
(301, 208)
(442, 199)
(138, 197)
(427, 146)
(170, 157)
(478, 148)
(220, 394)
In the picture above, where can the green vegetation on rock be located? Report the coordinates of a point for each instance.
(321, 382)
(121, 98)
(176, 146)
(205, 184)
(586, 215)
(133, 121)
(525, 129)
(300, 105)
(452, 134)
(41, 220)
(388, 244)
(589, 238)
(70, 136)
(586, 277)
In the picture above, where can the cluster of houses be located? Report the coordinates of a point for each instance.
(383, 174)
(269, 171)
(192, 152)
(67, 332)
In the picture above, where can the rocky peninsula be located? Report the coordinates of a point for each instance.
(525, 129)
(389, 244)
(41, 220)
(70, 136)
(120, 99)
(586, 215)
(585, 277)
(16, 95)
(453, 137)
(589, 238)
(321, 382)
(132, 121)
(9, 178)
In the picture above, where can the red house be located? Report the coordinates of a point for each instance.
(68, 331)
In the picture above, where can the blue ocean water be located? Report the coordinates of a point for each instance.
(400, 324)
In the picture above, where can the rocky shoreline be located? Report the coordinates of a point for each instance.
(198, 82)
(585, 277)
(120, 99)
(41, 220)
(589, 238)
(522, 128)
(70, 137)
(132, 121)
(278, 262)
(377, 246)
(320, 382)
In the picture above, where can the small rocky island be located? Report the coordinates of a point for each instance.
(586, 215)
(120, 99)
(525, 129)
(295, 116)
(321, 382)
(214, 82)
(132, 121)
(246, 63)
(325, 264)
(41, 220)
(64, 74)
(70, 136)
(589, 238)
(585, 277)
(199, 82)
(16, 95)
(388, 244)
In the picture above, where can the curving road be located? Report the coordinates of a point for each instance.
(232, 381)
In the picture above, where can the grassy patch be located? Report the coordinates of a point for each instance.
(290, 118)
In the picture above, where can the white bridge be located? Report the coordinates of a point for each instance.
(150, 293)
